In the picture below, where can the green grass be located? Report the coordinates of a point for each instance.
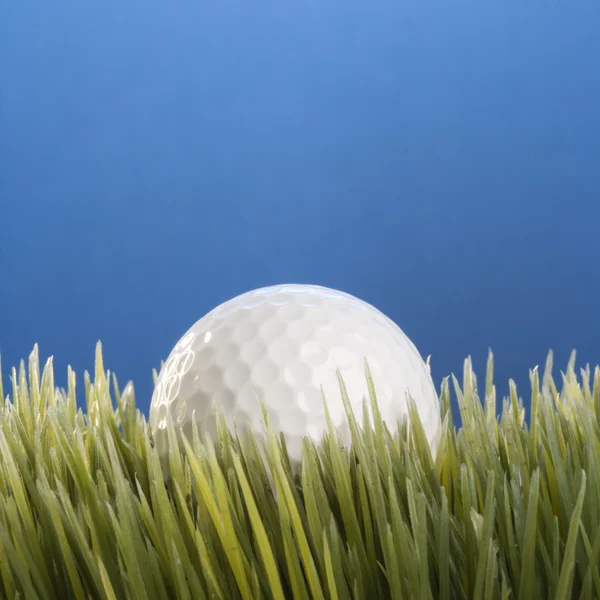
(507, 508)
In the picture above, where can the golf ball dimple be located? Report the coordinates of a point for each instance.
(279, 345)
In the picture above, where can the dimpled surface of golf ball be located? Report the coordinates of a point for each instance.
(279, 345)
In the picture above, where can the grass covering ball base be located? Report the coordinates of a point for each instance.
(507, 509)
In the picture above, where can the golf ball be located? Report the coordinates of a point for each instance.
(279, 345)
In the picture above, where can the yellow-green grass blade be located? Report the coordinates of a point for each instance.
(566, 572)
(262, 539)
(218, 507)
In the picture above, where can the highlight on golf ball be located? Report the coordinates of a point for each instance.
(279, 345)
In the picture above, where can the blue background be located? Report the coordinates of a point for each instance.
(439, 160)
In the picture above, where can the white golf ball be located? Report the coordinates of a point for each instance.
(279, 345)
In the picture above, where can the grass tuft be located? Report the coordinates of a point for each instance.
(504, 508)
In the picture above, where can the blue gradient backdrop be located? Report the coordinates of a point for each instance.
(439, 160)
